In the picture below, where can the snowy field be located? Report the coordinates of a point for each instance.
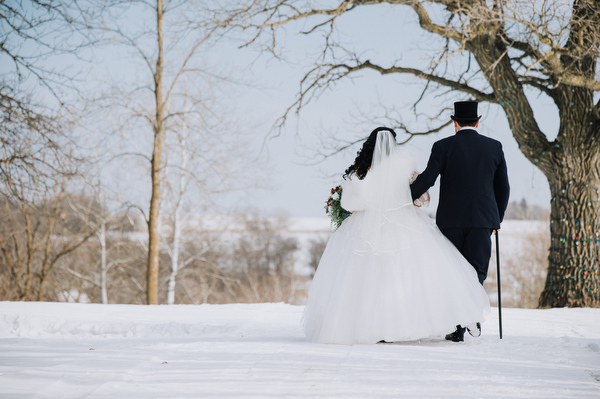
(62, 350)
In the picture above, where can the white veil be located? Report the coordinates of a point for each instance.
(384, 146)
(388, 178)
(386, 191)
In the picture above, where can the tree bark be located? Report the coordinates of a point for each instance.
(177, 222)
(102, 239)
(30, 254)
(174, 256)
(154, 214)
(573, 278)
(573, 273)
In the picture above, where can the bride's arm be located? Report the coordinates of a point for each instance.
(423, 199)
(352, 200)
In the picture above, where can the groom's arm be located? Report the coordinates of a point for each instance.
(501, 186)
(430, 174)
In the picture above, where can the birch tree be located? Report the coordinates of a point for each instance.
(97, 216)
(164, 42)
(196, 179)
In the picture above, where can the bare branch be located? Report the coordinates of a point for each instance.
(427, 24)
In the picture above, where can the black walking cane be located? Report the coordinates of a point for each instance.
(498, 277)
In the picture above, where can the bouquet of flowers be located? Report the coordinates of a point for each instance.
(333, 207)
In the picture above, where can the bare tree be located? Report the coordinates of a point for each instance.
(524, 269)
(38, 152)
(196, 179)
(166, 38)
(32, 142)
(97, 221)
(176, 218)
(103, 221)
(35, 93)
(262, 260)
(38, 232)
(496, 52)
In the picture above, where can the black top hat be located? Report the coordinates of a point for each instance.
(465, 111)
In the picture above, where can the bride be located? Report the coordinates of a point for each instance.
(388, 273)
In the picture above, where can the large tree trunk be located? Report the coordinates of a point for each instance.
(153, 233)
(571, 164)
(574, 273)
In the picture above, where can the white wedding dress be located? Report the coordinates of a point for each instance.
(388, 273)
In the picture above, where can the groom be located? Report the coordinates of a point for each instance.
(474, 190)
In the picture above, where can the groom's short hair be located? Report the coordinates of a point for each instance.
(467, 123)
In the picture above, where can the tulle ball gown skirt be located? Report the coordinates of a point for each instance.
(403, 282)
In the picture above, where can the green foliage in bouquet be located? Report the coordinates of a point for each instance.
(333, 207)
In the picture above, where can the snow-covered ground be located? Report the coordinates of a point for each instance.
(62, 350)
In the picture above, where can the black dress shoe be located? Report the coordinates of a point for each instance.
(458, 335)
(475, 331)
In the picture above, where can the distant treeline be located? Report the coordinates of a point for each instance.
(72, 248)
(521, 210)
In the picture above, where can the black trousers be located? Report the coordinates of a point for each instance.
(475, 245)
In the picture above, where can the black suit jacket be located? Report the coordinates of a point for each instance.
(474, 186)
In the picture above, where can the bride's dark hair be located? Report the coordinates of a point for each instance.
(364, 157)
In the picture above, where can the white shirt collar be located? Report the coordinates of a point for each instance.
(469, 128)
